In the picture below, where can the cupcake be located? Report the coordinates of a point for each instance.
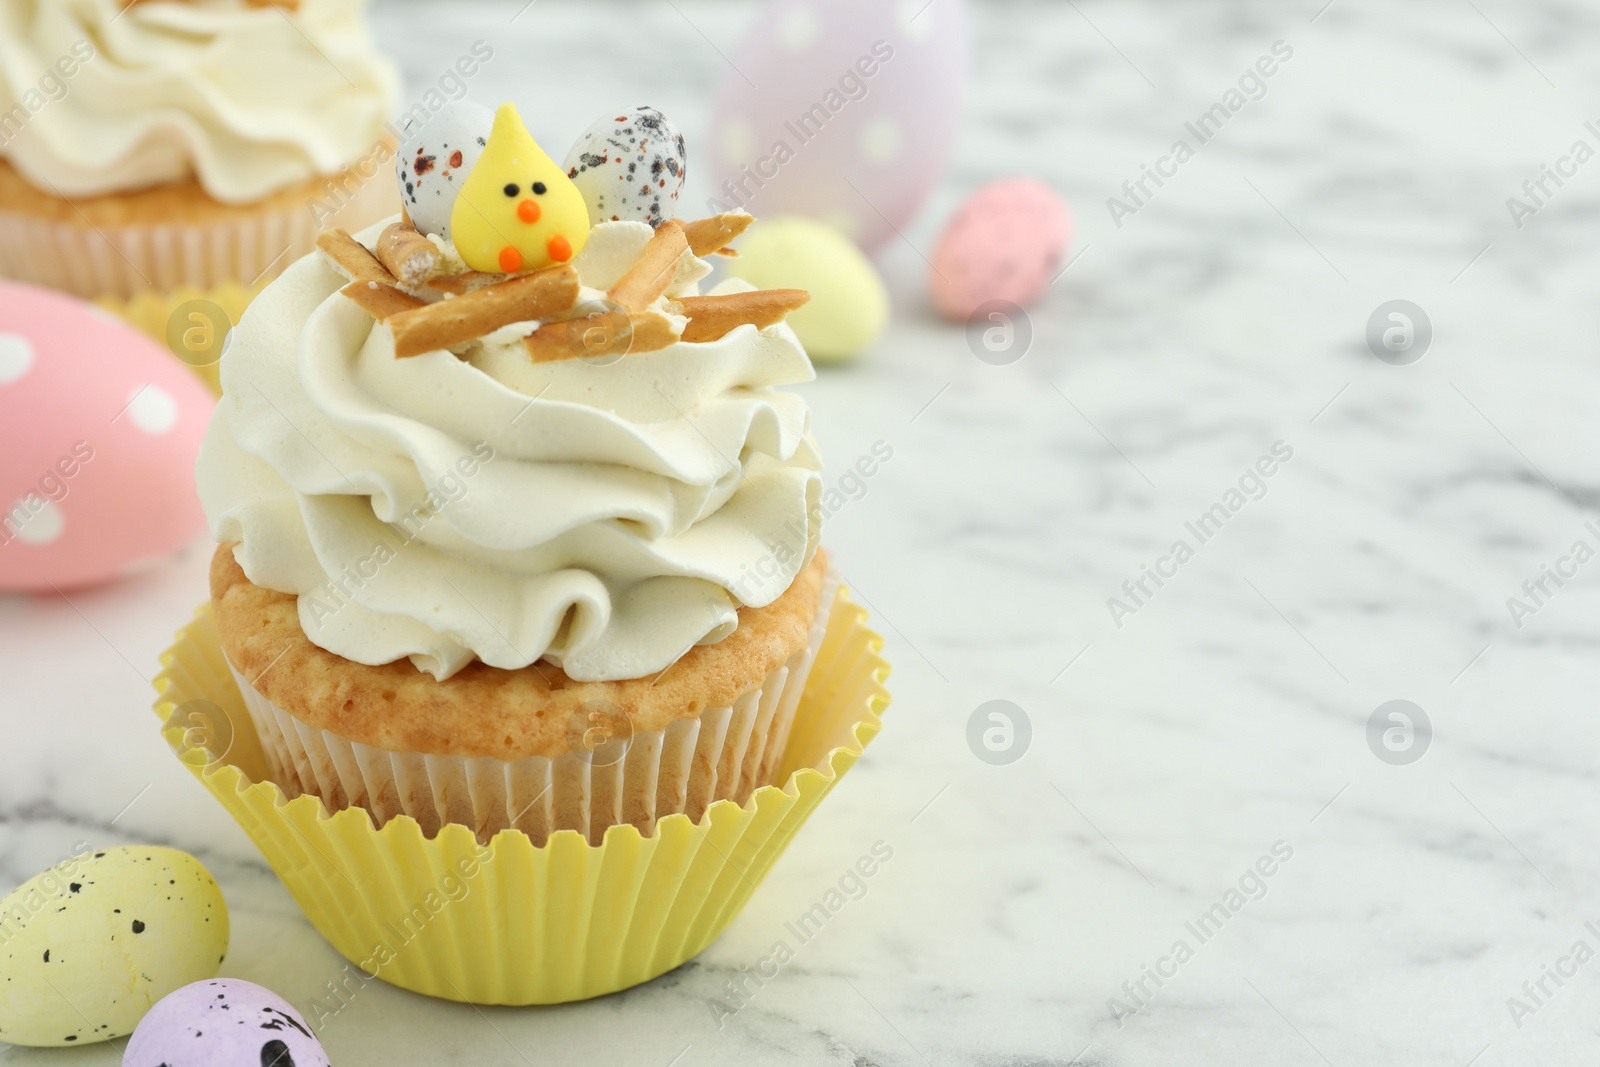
(184, 144)
(518, 531)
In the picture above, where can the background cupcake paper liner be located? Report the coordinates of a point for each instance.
(510, 922)
(158, 276)
(125, 260)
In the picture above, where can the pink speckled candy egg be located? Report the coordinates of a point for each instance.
(840, 110)
(1004, 243)
(224, 1022)
(99, 430)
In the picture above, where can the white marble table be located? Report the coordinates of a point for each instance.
(1228, 713)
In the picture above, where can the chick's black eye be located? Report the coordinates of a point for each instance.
(538, 188)
(511, 190)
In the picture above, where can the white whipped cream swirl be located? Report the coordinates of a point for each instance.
(251, 99)
(602, 518)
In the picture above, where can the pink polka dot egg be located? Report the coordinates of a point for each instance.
(1006, 242)
(99, 430)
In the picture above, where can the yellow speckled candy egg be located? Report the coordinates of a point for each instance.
(89, 946)
(849, 305)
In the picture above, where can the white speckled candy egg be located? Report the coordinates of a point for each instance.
(434, 160)
(630, 166)
(1004, 243)
(224, 1022)
(849, 305)
(89, 946)
(841, 110)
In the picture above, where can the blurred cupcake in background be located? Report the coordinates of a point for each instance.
(152, 146)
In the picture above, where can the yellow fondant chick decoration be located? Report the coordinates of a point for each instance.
(517, 209)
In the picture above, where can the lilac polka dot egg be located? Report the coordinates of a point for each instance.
(224, 1022)
(630, 166)
(436, 153)
(842, 111)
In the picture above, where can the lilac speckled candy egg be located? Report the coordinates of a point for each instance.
(630, 166)
(224, 1022)
(1004, 243)
(841, 110)
(435, 156)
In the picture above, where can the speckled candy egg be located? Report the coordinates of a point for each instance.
(434, 159)
(630, 166)
(89, 946)
(841, 110)
(99, 430)
(224, 1023)
(849, 304)
(1005, 243)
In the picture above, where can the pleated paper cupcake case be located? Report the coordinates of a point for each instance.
(146, 272)
(121, 259)
(124, 261)
(724, 754)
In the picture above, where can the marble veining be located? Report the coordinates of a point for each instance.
(1029, 908)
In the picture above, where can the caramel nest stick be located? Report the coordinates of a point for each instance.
(379, 300)
(470, 282)
(408, 255)
(541, 295)
(710, 317)
(711, 236)
(600, 334)
(351, 258)
(649, 278)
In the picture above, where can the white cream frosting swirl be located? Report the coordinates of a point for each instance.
(251, 99)
(603, 518)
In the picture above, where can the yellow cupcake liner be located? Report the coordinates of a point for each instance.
(508, 923)
(192, 323)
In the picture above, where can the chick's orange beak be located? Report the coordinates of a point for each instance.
(528, 211)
